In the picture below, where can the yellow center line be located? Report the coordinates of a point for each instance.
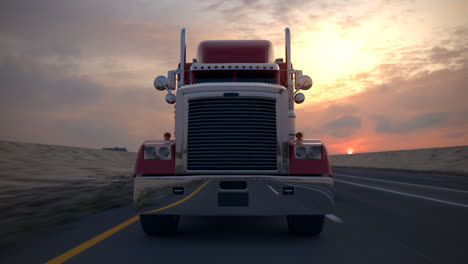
(80, 248)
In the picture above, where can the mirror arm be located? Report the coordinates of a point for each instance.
(297, 90)
(168, 90)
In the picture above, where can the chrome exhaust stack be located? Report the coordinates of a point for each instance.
(182, 58)
(291, 114)
(288, 62)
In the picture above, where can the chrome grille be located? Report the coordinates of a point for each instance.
(232, 133)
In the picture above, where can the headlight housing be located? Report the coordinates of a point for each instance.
(153, 152)
(300, 152)
(308, 152)
(315, 152)
(164, 152)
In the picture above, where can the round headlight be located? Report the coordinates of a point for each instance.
(300, 153)
(315, 152)
(150, 152)
(164, 152)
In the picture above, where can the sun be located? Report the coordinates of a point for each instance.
(350, 151)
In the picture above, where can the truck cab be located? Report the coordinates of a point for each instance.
(236, 151)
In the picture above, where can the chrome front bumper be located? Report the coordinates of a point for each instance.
(234, 195)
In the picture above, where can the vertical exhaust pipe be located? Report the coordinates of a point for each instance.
(292, 115)
(182, 58)
(288, 60)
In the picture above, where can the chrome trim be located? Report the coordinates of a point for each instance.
(182, 57)
(287, 38)
(204, 90)
(289, 71)
(234, 66)
(232, 133)
(312, 195)
(233, 86)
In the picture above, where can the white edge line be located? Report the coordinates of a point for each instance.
(273, 190)
(334, 218)
(407, 194)
(404, 183)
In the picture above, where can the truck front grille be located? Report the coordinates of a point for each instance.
(232, 133)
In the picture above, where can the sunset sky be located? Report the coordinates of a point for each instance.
(388, 75)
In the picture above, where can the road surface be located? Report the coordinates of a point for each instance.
(380, 217)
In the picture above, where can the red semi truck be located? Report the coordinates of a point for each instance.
(236, 151)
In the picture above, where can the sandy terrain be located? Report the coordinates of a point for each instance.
(42, 185)
(451, 160)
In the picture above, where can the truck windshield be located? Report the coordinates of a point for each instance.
(239, 76)
(256, 76)
(211, 76)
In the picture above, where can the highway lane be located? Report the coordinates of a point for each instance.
(378, 227)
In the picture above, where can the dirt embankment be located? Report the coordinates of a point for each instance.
(450, 160)
(43, 185)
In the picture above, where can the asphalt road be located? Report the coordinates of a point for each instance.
(381, 217)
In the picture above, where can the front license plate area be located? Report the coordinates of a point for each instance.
(233, 199)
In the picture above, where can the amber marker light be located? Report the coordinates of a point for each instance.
(167, 136)
(299, 136)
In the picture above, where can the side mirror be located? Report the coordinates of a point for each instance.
(170, 98)
(299, 98)
(304, 82)
(161, 83)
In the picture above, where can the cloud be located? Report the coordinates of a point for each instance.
(341, 109)
(443, 55)
(349, 22)
(344, 126)
(455, 135)
(47, 104)
(419, 122)
(80, 72)
(33, 85)
(423, 110)
(86, 30)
